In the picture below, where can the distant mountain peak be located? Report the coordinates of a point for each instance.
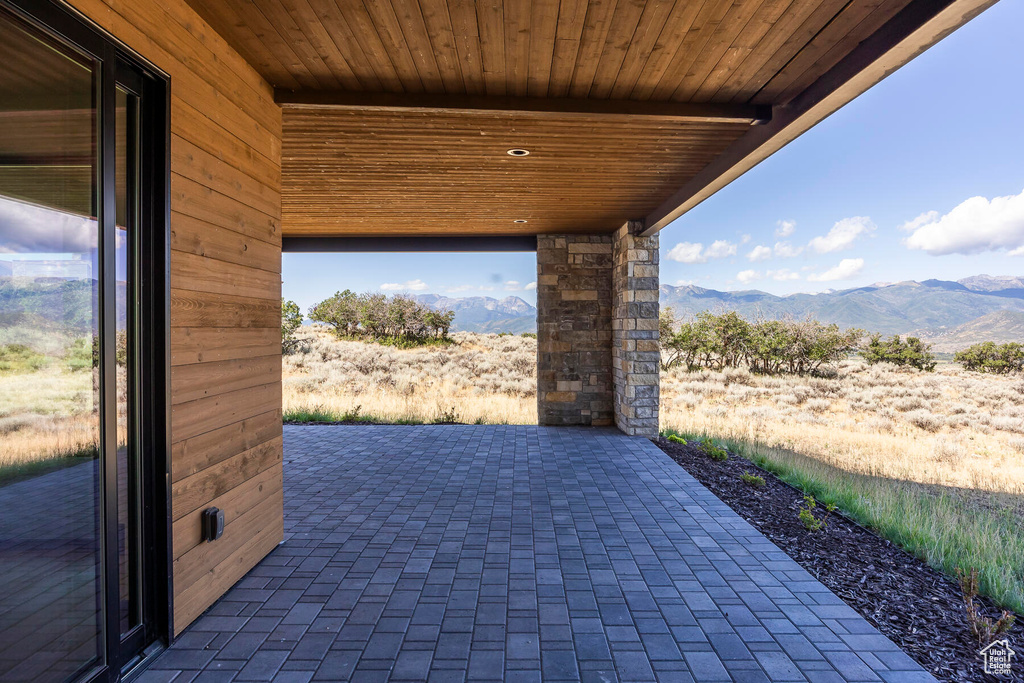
(485, 313)
(992, 283)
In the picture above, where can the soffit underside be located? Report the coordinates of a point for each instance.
(763, 51)
(426, 173)
(352, 172)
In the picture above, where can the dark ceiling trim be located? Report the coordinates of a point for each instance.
(440, 243)
(917, 27)
(537, 106)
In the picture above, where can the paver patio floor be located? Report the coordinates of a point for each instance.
(465, 553)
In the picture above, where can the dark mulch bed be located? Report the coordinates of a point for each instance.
(916, 607)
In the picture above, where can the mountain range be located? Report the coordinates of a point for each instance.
(927, 309)
(951, 314)
(484, 313)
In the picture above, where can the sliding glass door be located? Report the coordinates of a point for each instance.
(51, 625)
(82, 485)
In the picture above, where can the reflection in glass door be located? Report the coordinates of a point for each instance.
(82, 286)
(51, 624)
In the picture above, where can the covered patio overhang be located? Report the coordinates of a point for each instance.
(586, 126)
(328, 125)
(397, 116)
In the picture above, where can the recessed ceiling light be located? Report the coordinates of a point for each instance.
(518, 152)
(519, 220)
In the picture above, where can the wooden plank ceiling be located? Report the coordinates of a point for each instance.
(423, 170)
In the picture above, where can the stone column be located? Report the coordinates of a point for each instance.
(635, 346)
(574, 331)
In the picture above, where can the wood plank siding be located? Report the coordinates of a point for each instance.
(225, 297)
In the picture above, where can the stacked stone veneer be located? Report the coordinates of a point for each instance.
(574, 330)
(597, 331)
(636, 355)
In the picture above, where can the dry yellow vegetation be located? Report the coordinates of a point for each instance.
(487, 378)
(949, 427)
(46, 414)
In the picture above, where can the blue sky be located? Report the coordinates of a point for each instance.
(880, 191)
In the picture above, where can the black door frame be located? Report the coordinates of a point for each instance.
(153, 403)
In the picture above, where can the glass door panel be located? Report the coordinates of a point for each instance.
(51, 620)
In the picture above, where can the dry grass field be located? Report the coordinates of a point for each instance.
(934, 461)
(950, 427)
(479, 378)
(44, 415)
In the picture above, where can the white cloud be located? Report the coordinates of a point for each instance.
(783, 274)
(530, 285)
(694, 252)
(512, 286)
(720, 249)
(847, 268)
(748, 276)
(785, 228)
(744, 238)
(687, 252)
(787, 250)
(759, 253)
(843, 234)
(409, 286)
(975, 225)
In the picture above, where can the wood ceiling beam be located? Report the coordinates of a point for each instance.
(917, 27)
(538, 106)
(408, 243)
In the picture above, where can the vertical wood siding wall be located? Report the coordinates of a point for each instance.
(225, 294)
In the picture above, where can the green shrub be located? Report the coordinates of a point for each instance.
(83, 354)
(398, 321)
(989, 357)
(752, 480)
(676, 439)
(19, 358)
(766, 346)
(708, 447)
(810, 519)
(910, 352)
(529, 335)
(291, 320)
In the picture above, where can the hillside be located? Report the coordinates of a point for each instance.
(930, 308)
(1000, 327)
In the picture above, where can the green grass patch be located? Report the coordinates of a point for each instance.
(321, 415)
(948, 528)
